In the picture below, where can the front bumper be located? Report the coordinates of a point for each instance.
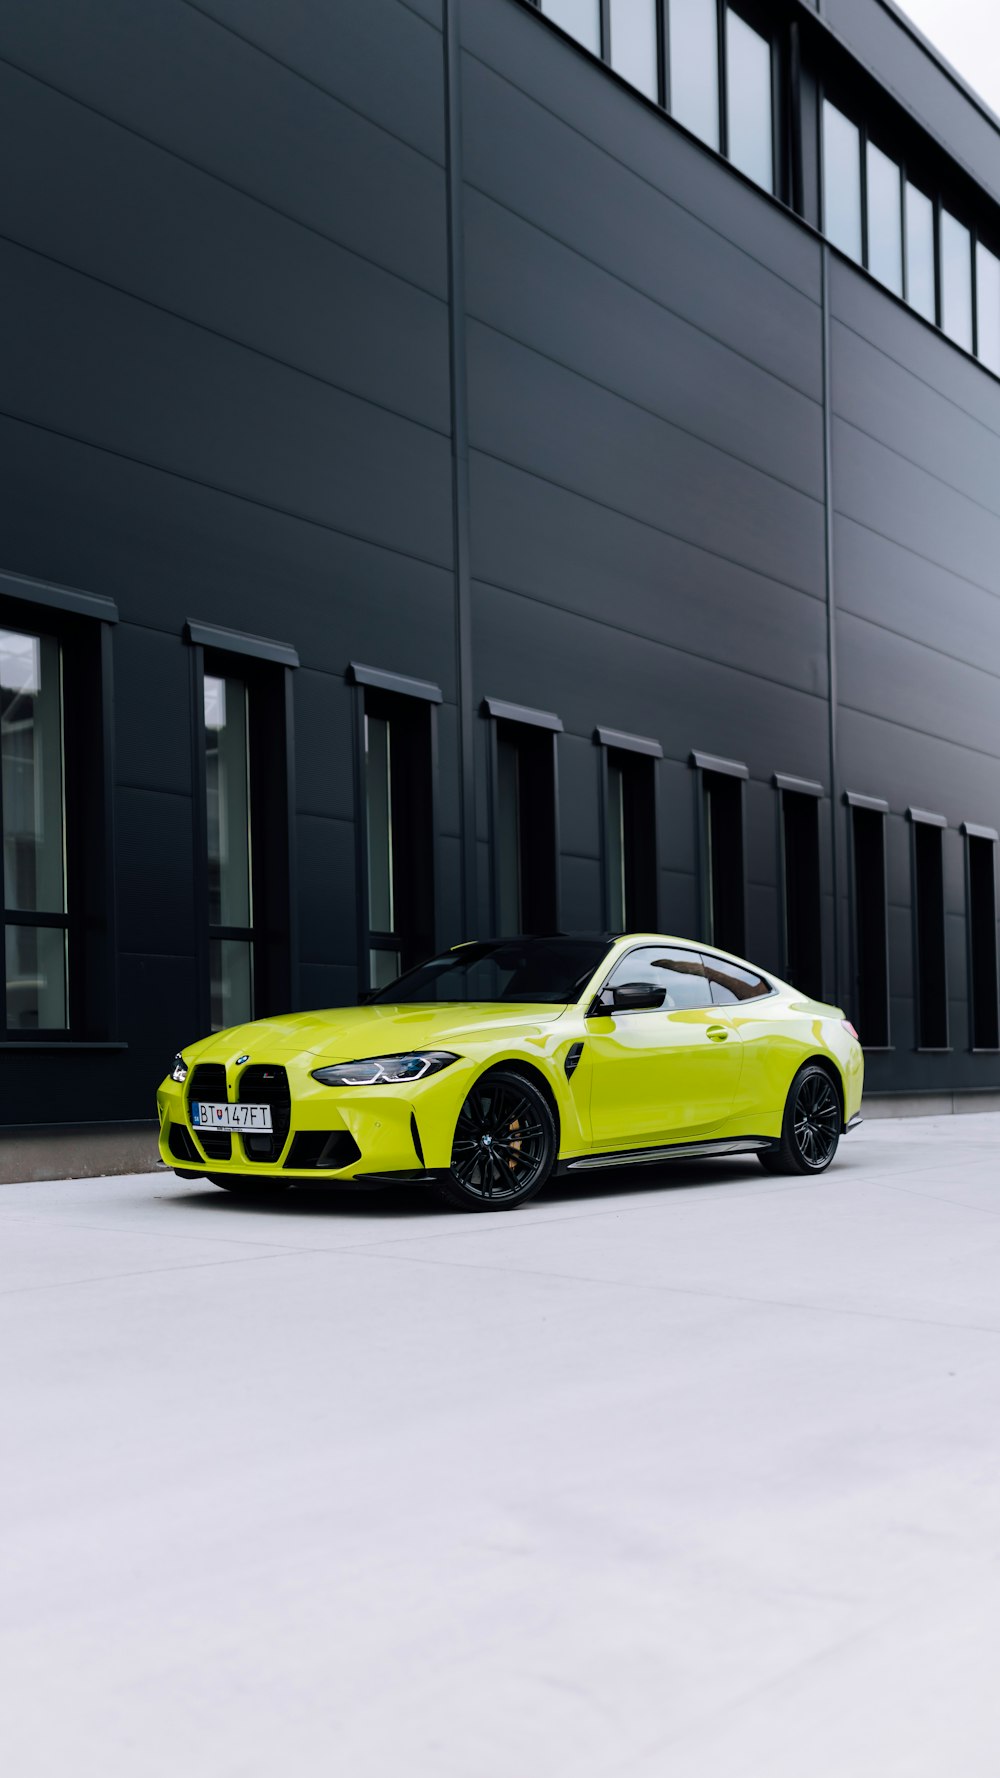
(333, 1132)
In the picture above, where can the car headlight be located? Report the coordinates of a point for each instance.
(179, 1071)
(380, 1071)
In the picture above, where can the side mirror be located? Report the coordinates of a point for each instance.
(637, 997)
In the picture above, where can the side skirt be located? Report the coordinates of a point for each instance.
(677, 1151)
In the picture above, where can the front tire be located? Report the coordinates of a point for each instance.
(505, 1145)
(810, 1129)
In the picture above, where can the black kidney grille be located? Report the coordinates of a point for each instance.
(266, 1084)
(208, 1081)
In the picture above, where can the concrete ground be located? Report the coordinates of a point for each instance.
(686, 1474)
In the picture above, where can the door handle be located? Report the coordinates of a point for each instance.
(717, 1033)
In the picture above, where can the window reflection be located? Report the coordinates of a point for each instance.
(579, 18)
(920, 281)
(32, 815)
(841, 181)
(694, 67)
(633, 43)
(988, 307)
(750, 120)
(228, 801)
(956, 280)
(885, 220)
(230, 893)
(231, 973)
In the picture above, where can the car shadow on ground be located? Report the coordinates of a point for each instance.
(391, 1203)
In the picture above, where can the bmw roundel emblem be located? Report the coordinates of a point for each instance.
(241, 1059)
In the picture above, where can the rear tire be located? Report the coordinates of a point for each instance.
(504, 1147)
(811, 1126)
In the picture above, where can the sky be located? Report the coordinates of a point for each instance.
(967, 32)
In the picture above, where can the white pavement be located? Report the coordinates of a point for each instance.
(694, 1474)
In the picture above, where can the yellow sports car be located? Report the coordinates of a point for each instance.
(496, 1064)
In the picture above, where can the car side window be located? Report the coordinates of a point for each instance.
(681, 973)
(730, 983)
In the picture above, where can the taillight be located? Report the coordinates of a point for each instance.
(849, 1028)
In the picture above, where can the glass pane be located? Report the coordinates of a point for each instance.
(36, 978)
(616, 848)
(751, 134)
(694, 67)
(378, 783)
(988, 312)
(633, 43)
(31, 773)
(581, 18)
(508, 858)
(920, 253)
(956, 281)
(228, 802)
(231, 968)
(841, 181)
(885, 220)
(383, 967)
(681, 973)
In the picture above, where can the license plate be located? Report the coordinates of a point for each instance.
(230, 1117)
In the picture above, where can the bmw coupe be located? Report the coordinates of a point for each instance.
(496, 1064)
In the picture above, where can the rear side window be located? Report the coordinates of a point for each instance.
(731, 983)
(681, 973)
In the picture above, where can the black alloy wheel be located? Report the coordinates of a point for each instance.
(504, 1147)
(810, 1131)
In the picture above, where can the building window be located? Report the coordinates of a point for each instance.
(956, 280)
(525, 838)
(988, 307)
(984, 1015)
(885, 219)
(633, 47)
(929, 934)
(630, 840)
(399, 832)
(33, 810)
(694, 67)
(871, 943)
(578, 18)
(243, 696)
(842, 181)
(802, 892)
(749, 101)
(920, 278)
(230, 849)
(723, 874)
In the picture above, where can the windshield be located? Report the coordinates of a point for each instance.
(541, 970)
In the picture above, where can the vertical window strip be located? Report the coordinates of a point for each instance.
(33, 885)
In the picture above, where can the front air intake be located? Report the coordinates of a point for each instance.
(208, 1082)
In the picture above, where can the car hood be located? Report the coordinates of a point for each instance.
(346, 1033)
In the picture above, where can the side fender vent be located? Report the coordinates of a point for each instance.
(573, 1055)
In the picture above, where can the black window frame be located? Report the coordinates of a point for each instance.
(535, 734)
(82, 625)
(267, 668)
(796, 796)
(637, 756)
(773, 24)
(864, 813)
(931, 1021)
(984, 840)
(718, 780)
(412, 705)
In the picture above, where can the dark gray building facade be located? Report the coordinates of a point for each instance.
(469, 465)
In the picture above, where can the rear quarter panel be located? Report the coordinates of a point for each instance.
(779, 1034)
